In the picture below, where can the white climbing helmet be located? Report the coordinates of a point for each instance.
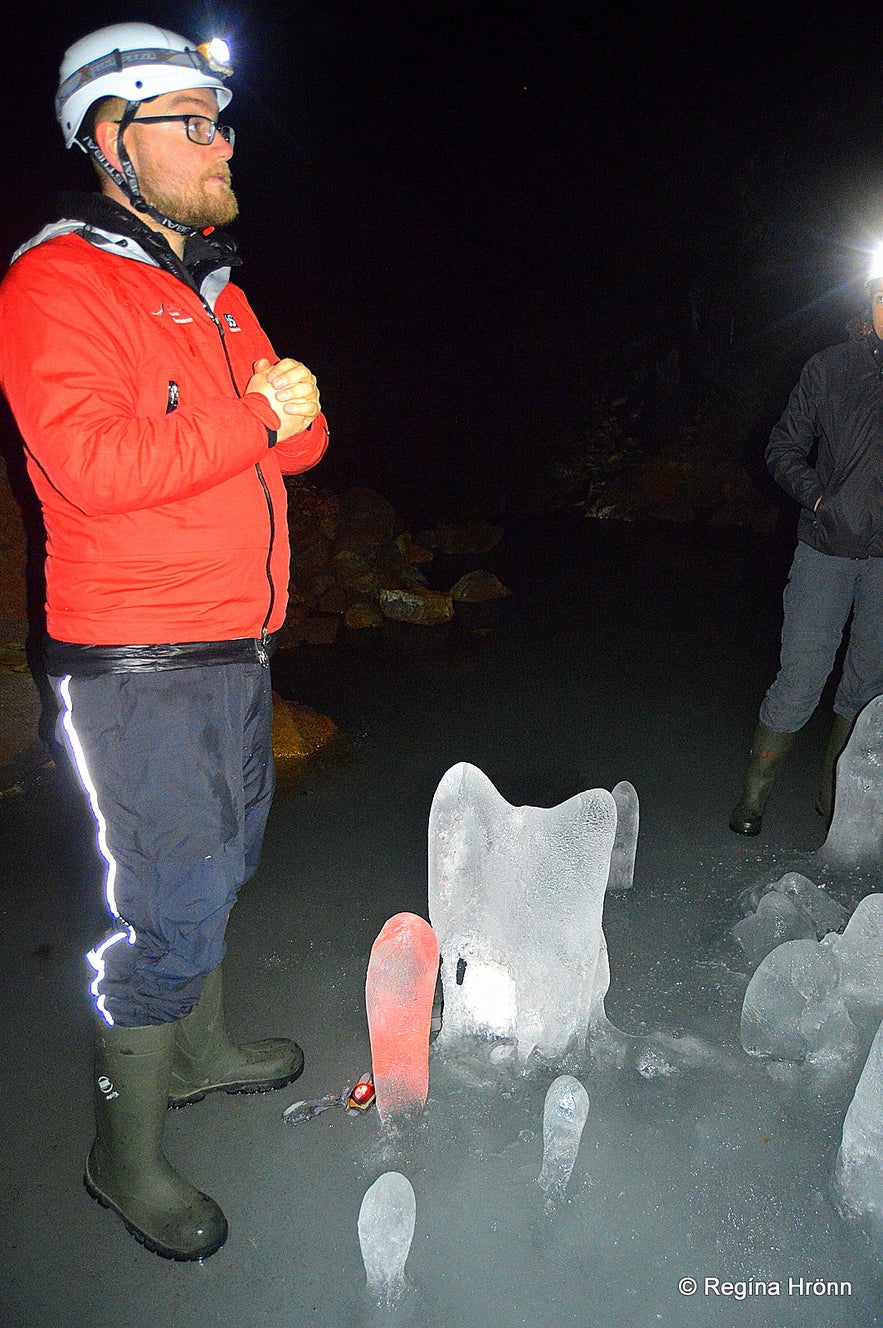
(134, 61)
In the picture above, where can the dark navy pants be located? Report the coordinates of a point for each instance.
(178, 769)
(821, 594)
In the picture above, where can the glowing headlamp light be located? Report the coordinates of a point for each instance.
(216, 54)
(875, 267)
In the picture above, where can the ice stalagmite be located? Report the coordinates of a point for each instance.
(625, 845)
(399, 988)
(790, 909)
(855, 838)
(774, 921)
(793, 1009)
(516, 897)
(859, 1169)
(386, 1229)
(564, 1115)
(859, 951)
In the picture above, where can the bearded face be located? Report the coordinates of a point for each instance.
(186, 181)
(203, 200)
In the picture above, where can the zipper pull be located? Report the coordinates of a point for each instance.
(262, 652)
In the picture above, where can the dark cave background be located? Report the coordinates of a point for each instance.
(522, 249)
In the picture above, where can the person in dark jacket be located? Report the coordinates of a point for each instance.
(826, 452)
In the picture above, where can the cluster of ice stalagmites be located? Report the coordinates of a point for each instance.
(388, 1215)
(398, 991)
(812, 1000)
(791, 909)
(816, 997)
(516, 897)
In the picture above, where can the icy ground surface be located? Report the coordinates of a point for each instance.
(643, 664)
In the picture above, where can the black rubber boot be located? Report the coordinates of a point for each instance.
(837, 740)
(768, 749)
(126, 1169)
(206, 1061)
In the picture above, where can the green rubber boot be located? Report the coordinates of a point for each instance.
(837, 740)
(768, 750)
(206, 1061)
(126, 1169)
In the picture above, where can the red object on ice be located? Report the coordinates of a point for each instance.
(363, 1094)
(399, 992)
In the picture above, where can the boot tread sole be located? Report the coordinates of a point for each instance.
(164, 1251)
(246, 1086)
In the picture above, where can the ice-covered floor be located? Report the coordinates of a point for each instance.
(622, 655)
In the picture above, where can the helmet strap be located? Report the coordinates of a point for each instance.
(125, 178)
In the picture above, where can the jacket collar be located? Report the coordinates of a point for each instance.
(217, 249)
(105, 224)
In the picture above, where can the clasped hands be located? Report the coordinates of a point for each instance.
(291, 390)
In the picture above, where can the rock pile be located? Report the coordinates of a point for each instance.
(354, 566)
(684, 486)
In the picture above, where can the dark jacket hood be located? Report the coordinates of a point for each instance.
(203, 253)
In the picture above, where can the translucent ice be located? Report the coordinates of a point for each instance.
(516, 897)
(625, 845)
(823, 911)
(859, 951)
(859, 1168)
(386, 1230)
(399, 990)
(775, 921)
(856, 834)
(811, 900)
(793, 1010)
(564, 1115)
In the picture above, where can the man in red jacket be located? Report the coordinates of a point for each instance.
(158, 424)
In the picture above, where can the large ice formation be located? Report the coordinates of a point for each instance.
(856, 834)
(516, 896)
(386, 1229)
(564, 1116)
(859, 1168)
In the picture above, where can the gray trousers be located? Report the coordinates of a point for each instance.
(821, 593)
(178, 769)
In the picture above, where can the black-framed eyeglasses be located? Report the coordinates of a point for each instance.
(199, 128)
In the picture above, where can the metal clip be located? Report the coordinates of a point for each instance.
(308, 1110)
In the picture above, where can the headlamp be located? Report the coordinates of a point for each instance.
(216, 54)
